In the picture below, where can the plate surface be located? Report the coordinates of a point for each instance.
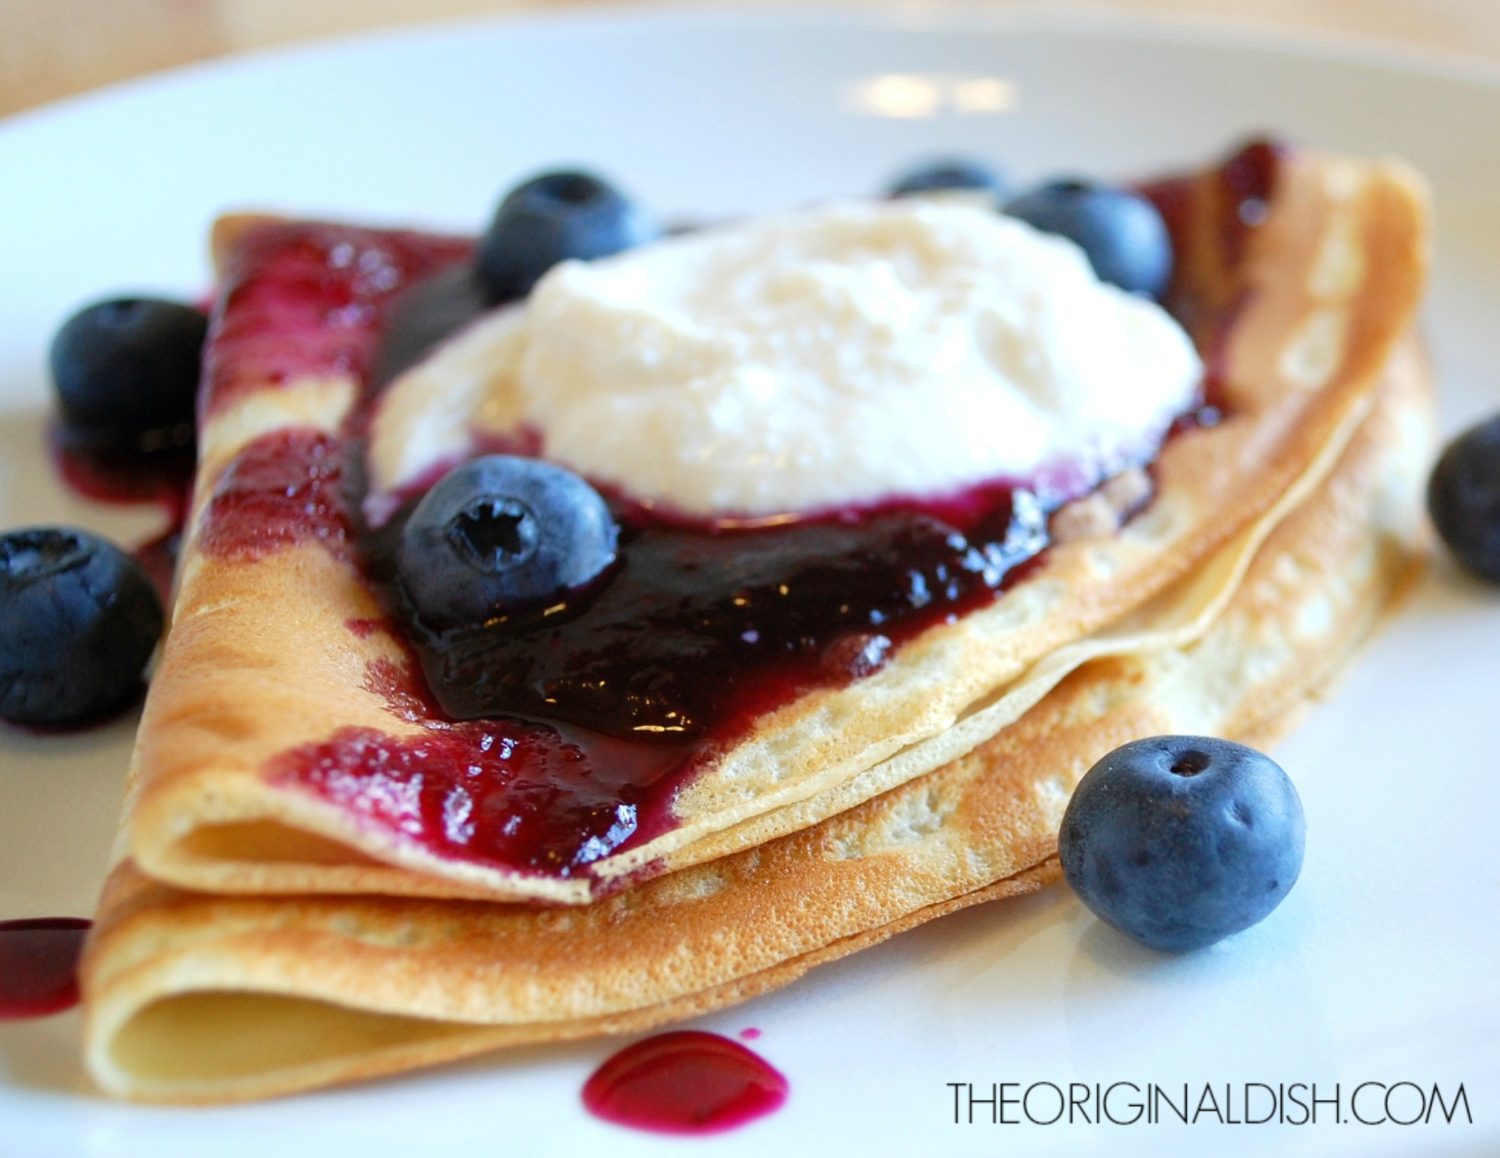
(1380, 965)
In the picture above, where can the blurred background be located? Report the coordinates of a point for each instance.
(54, 48)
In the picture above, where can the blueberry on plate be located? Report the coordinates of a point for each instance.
(1122, 233)
(126, 373)
(555, 217)
(1179, 841)
(948, 173)
(502, 534)
(78, 621)
(1463, 498)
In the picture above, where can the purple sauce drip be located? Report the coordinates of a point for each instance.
(39, 965)
(687, 1082)
(545, 746)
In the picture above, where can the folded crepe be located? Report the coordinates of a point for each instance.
(196, 998)
(287, 746)
(1272, 543)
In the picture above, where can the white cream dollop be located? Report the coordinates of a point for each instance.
(829, 357)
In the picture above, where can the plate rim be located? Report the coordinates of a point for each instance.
(1149, 28)
(1079, 18)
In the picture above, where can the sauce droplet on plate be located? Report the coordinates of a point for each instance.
(39, 965)
(686, 1082)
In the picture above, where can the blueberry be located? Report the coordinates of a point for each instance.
(502, 534)
(948, 173)
(1463, 498)
(1180, 841)
(551, 218)
(1121, 232)
(126, 373)
(78, 620)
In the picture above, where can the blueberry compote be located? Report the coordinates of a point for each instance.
(704, 628)
(1206, 296)
(1243, 186)
(685, 1082)
(299, 300)
(160, 477)
(546, 742)
(39, 965)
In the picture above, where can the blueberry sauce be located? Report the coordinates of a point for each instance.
(687, 1082)
(1207, 309)
(300, 300)
(158, 557)
(701, 631)
(550, 745)
(528, 757)
(548, 798)
(39, 965)
(1246, 184)
(1248, 181)
(362, 627)
(544, 744)
(162, 478)
(284, 487)
(294, 301)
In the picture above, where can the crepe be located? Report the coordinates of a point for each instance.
(1273, 543)
(193, 998)
(267, 655)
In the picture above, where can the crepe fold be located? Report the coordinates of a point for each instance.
(262, 659)
(1272, 544)
(196, 998)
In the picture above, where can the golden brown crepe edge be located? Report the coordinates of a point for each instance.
(209, 793)
(353, 949)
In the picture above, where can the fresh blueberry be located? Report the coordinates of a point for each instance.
(1180, 841)
(1463, 498)
(1122, 233)
(502, 534)
(78, 620)
(126, 373)
(551, 218)
(948, 173)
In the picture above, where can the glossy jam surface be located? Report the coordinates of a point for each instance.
(1248, 180)
(543, 746)
(550, 745)
(701, 631)
(284, 487)
(156, 478)
(301, 300)
(39, 965)
(507, 793)
(688, 1082)
(1245, 184)
(162, 478)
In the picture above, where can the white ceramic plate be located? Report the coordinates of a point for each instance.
(1379, 967)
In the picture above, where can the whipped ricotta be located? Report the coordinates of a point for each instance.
(834, 356)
